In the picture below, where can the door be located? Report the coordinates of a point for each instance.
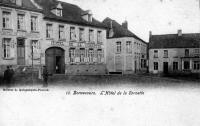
(20, 51)
(118, 64)
(55, 60)
(165, 67)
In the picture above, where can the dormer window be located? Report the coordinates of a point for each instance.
(57, 10)
(87, 15)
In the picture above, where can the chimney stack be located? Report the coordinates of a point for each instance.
(150, 33)
(125, 24)
(179, 32)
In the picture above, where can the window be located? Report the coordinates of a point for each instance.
(155, 65)
(6, 48)
(155, 53)
(197, 51)
(49, 31)
(13, 1)
(81, 34)
(99, 37)
(91, 55)
(36, 49)
(20, 22)
(72, 33)
(6, 19)
(165, 53)
(99, 55)
(128, 47)
(61, 34)
(186, 65)
(143, 63)
(72, 55)
(119, 47)
(175, 66)
(91, 35)
(34, 24)
(82, 55)
(196, 65)
(187, 52)
(59, 12)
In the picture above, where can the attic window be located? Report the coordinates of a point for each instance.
(59, 12)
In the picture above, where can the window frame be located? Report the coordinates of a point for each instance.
(118, 47)
(155, 64)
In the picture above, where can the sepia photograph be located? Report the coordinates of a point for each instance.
(99, 62)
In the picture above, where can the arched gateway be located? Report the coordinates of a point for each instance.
(55, 60)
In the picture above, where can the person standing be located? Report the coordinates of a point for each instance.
(7, 76)
(45, 76)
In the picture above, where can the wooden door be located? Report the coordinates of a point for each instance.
(20, 51)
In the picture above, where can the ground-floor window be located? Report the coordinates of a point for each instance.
(155, 65)
(175, 66)
(186, 65)
(72, 55)
(99, 55)
(91, 55)
(82, 55)
(196, 65)
(143, 63)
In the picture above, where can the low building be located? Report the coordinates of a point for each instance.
(126, 53)
(174, 53)
(19, 29)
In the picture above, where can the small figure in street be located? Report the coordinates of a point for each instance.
(45, 76)
(7, 76)
(12, 73)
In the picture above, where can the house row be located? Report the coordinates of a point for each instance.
(67, 39)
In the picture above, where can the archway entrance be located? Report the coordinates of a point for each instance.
(55, 60)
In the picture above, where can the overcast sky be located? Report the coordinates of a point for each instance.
(159, 16)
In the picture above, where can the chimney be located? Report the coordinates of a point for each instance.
(111, 32)
(125, 24)
(150, 33)
(179, 32)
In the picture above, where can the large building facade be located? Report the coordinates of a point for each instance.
(126, 53)
(19, 30)
(174, 53)
(59, 35)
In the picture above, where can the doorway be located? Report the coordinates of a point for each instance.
(165, 67)
(21, 51)
(55, 61)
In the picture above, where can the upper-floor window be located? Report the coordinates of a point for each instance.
(81, 34)
(99, 37)
(72, 55)
(128, 47)
(72, 33)
(21, 21)
(155, 53)
(13, 1)
(197, 52)
(165, 53)
(91, 35)
(119, 47)
(59, 12)
(187, 52)
(34, 23)
(6, 47)
(6, 19)
(49, 30)
(61, 34)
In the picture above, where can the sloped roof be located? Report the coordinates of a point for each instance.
(71, 13)
(174, 41)
(26, 4)
(118, 30)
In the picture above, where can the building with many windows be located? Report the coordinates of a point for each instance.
(19, 33)
(73, 41)
(126, 53)
(174, 53)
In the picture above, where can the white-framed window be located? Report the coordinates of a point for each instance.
(61, 34)
(143, 63)
(196, 65)
(128, 47)
(8, 48)
(91, 35)
(82, 55)
(91, 55)
(155, 53)
(99, 55)
(119, 47)
(155, 64)
(59, 12)
(72, 33)
(36, 48)
(6, 19)
(99, 36)
(72, 55)
(34, 23)
(49, 30)
(20, 21)
(175, 66)
(81, 34)
(187, 52)
(165, 53)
